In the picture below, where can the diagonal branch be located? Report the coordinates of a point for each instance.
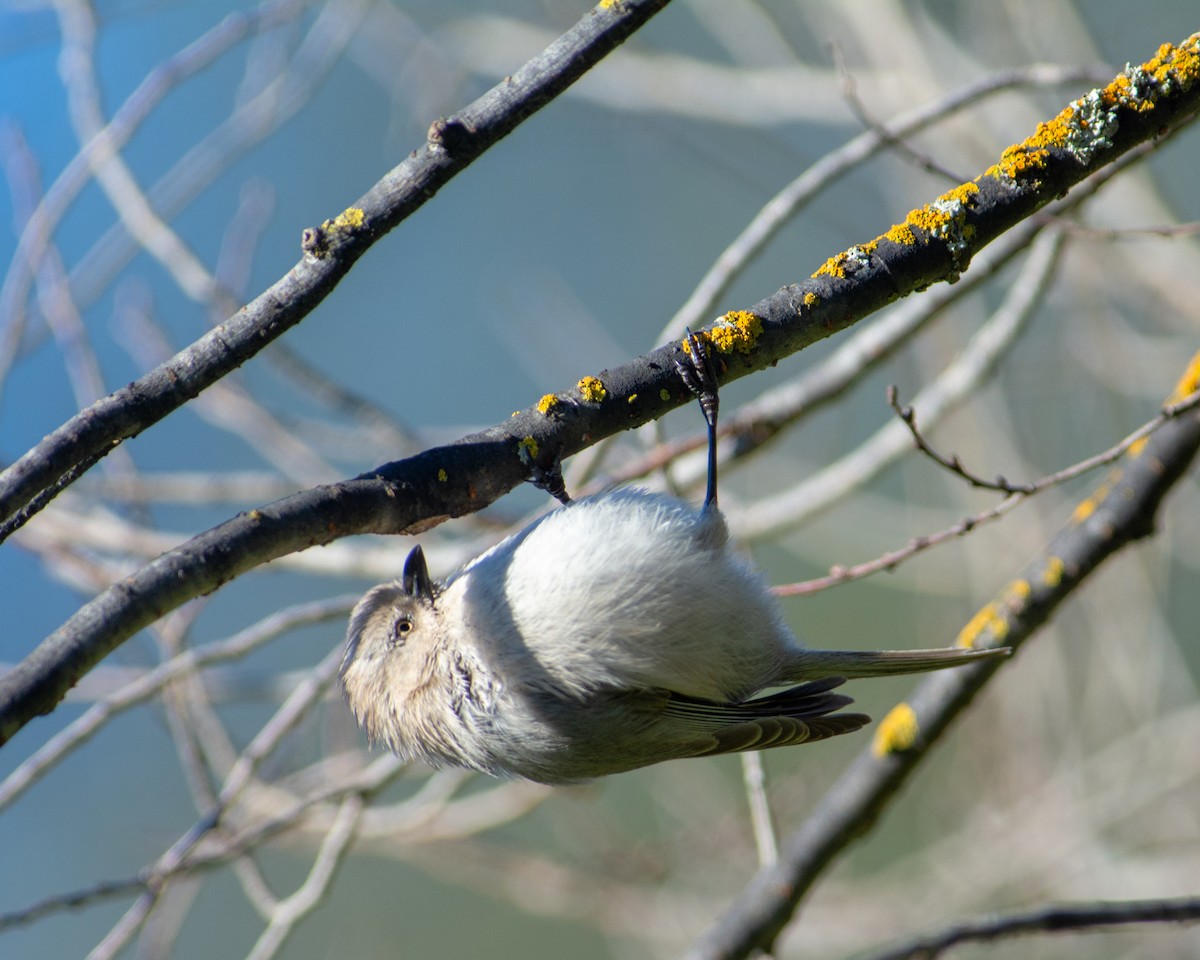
(330, 251)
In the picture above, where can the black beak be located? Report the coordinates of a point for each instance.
(416, 580)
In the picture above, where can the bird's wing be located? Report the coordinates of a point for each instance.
(798, 715)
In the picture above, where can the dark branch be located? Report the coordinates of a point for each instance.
(330, 251)
(1054, 918)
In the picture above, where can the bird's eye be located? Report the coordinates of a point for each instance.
(404, 626)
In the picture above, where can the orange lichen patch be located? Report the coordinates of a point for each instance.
(1189, 383)
(1172, 67)
(964, 193)
(989, 620)
(832, 268)
(1087, 125)
(901, 233)
(811, 301)
(944, 219)
(848, 261)
(1018, 162)
(547, 403)
(898, 731)
(737, 330)
(592, 389)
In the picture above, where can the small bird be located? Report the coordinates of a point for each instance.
(614, 632)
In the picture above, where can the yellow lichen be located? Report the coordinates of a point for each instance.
(349, 219)
(901, 233)
(737, 330)
(897, 732)
(528, 449)
(988, 619)
(1018, 162)
(664, 394)
(547, 403)
(832, 268)
(1053, 573)
(442, 475)
(1018, 591)
(811, 301)
(632, 398)
(927, 218)
(963, 193)
(1088, 124)
(1189, 383)
(592, 389)
(1088, 506)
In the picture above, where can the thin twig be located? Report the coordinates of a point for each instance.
(1053, 918)
(1001, 485)
(893, 558)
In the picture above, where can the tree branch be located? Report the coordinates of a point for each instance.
(329, 252)
(1053, 918)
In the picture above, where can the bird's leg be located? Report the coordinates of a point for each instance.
(699, 375)
(548, 478)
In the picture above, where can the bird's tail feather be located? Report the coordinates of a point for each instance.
(813, 664)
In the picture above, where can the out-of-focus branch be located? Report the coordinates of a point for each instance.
(1122, 510)
(893, 558)
(1055, 918)
(329, 252)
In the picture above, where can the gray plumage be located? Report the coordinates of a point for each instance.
(617, 631)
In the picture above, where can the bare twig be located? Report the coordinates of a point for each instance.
(1001, 485)
(1121, 511)
(893, 558)
(290, 911)
(1053, 918)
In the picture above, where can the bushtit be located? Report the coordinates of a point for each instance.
(615, 632)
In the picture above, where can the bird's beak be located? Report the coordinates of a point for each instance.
(416, 582)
